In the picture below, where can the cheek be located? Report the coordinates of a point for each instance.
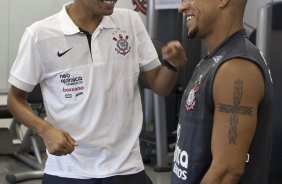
(207, 17)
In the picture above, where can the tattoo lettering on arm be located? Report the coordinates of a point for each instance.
(235, 110)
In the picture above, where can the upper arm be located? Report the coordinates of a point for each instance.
(237, 91)
(16, 94)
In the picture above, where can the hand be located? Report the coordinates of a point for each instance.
(174, 53)
(57, 141)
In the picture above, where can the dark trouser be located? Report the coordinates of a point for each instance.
(139, 178)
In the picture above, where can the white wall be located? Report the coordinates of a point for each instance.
(4, 4)
(19, 18)
(15, 16)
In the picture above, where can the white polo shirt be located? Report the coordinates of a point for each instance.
(92, 95)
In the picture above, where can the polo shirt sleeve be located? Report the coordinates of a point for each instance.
(148, 57)
(27, 69)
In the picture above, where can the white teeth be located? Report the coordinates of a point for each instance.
(109, 1)
(189, 17)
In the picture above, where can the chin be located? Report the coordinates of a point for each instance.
(107, 13)
(192, 33)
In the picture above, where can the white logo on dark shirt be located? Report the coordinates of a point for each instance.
(180, 159)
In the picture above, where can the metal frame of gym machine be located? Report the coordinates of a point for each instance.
(28, 141)
(269, 41)
(155, 105)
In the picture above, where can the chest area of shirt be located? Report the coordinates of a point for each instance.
(105, 47)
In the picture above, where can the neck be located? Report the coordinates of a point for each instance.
(220, 33)
(212, 42)
(83, 18)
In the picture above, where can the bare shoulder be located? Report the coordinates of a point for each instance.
(239, 74)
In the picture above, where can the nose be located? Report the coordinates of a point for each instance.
(184, 6)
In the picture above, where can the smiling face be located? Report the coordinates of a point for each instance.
(99, 7)
(201, 16)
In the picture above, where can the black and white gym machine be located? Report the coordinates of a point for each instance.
(23, 143)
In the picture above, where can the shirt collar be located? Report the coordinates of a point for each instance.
(69, 28)
(107, 23)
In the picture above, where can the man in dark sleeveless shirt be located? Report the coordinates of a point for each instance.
(225, 124)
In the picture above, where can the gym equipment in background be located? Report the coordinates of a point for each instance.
(29, 148)
(161, 113)
(269, 41)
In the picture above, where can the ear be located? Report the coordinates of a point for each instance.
(223, 3)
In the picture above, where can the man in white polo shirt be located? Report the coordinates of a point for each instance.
(87, 59)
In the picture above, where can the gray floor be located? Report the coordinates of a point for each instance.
(8, 165)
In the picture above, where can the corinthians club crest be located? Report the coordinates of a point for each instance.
(141, 5)
(191, 99)
(122, 46)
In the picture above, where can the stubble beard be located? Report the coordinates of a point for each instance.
(192, 34)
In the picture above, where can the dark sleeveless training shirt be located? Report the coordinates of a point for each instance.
(192, 156)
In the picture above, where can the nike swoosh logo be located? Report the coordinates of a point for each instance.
(63, 53)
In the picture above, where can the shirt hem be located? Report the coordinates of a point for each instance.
(72, 175)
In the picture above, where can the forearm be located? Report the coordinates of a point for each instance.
(165, 81)
(24, 114)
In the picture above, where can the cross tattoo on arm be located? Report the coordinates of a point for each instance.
(235, 110)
